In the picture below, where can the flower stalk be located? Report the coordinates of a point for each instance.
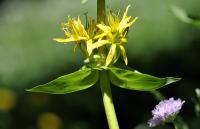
(104, 79)
(107, 100)
(101, 11)
(177, 125)
(101, 14)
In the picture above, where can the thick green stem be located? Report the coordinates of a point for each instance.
(107, 100)
(101, 13)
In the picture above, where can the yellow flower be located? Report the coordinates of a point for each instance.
(115, 34)
(76, 32)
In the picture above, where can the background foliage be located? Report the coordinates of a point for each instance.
(159, 44)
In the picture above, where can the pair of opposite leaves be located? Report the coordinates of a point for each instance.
(87, 77)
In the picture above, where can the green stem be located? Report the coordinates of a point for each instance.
(176, 125)
(101, 11)
(157, 95)
(179, 123)
(101, 14)
(107, 100)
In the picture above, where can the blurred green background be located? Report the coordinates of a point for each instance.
(159, 44)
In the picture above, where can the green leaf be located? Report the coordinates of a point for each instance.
(135, 80)
(183, 16)
(76, 81)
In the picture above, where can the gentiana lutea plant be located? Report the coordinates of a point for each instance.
(102, 43)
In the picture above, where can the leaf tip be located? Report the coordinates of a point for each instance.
(29, 90)
(172, 80)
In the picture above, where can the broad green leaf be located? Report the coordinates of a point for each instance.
(76, 81)
(135, 80)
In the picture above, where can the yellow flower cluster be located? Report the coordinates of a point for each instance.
(95, 36)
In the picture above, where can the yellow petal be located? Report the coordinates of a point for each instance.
(123, 52)
(89, 47)
(130, 23)
(74, 28)
(71, 39)
(100, 36)
(126, 12)
(123, 40)
(78, 38)
(111, 20)
(111, 54)
(81, 28)
(124, 22)
(61, 40)
(100, 43)
(69, 22)
(104, 28)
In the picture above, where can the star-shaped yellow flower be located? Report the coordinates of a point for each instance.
(115, 34)
(76, 32)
